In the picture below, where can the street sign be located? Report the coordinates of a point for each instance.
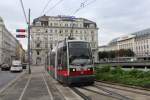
(20, 36)
(20, 30)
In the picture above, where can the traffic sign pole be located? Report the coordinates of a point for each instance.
(29, 51)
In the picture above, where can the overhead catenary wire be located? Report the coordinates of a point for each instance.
(90, 2)
(54, 6)
(23, 9)
(46, 5)
(83, 5)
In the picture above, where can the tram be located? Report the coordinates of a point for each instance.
(71, 61)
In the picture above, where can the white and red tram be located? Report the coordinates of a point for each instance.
(71, 61)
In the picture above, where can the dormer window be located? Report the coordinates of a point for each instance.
(44, 23)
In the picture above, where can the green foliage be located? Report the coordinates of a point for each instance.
(116, 53)
(105, 69)
(133, 77)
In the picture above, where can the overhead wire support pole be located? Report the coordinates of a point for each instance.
(29, 50)
(23, 9)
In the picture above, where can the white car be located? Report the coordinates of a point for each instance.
(16, 68)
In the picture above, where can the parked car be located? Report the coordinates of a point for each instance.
(16, 66)
(5, 67)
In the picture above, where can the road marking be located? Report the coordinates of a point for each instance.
(50, 94)
(64, 91)
(21, 96)
(11, 82)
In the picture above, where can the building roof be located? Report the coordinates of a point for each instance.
(1, 21)
(114, 40)
(142, 32)
(65, 18)
(135, 34)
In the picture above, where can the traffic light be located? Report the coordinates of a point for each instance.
(20, 36)
(20, 30)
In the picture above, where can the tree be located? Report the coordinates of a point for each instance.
(130, 53)
(103, 55)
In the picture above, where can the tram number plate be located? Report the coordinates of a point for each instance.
(82, 71)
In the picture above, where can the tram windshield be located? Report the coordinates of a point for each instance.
(79, 53)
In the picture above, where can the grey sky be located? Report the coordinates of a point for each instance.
(113, 17)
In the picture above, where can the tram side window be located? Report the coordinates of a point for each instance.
(59, 57)
(62, 58)
(52, 60)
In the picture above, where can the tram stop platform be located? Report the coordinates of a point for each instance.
(37, 86)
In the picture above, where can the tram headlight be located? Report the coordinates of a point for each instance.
(73, 69)
(90, 69)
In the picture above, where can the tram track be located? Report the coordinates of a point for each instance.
(101, 84)
(113, 94)
(85, 97)
(106, 93)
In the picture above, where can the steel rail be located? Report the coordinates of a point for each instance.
(147, 94)
(112, 93)
(81, 94)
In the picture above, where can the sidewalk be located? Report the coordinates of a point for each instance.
(30, 87)
(39, 85)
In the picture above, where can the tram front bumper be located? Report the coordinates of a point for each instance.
(81, 79)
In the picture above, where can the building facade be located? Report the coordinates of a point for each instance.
(46, 31)
(138, 42)
(8, 45)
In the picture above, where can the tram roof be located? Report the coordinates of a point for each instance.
(54, 49)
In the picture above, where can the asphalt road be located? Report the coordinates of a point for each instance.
(6, 77)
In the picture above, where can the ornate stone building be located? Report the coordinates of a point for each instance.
(8, 45)
(47, 30)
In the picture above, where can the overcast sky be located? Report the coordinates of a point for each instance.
(113, 17)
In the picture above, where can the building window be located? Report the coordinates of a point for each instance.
(38, 45)
(51, 31)
(46, 31)
(51, 24)
(66, 31)
(80, 31)
(92, 32)
(81, 37)
(55, 31)
(66, 25)
(38, 53)
(85, 38)
(60, 31)
(76, 31)
(44, 23)
(80, 25)
(76, 25)
(55, 24)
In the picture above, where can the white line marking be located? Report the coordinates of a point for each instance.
(50, 94)
(10, 83)
(21, 96)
